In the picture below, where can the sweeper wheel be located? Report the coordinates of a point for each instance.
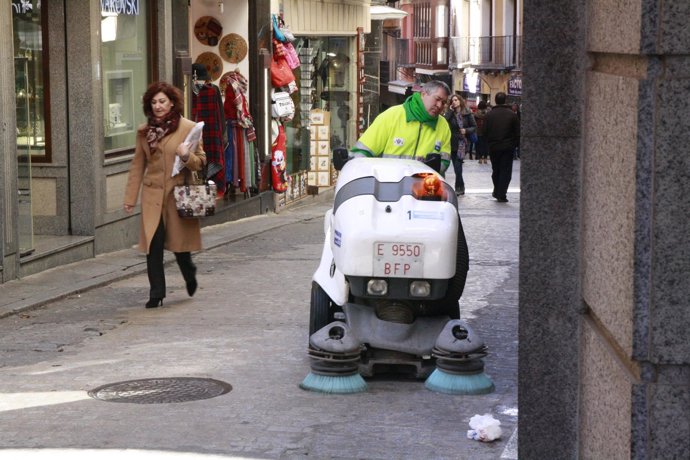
(449, 303)
(321, 311)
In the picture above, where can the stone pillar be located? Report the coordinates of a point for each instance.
(84, 108)
(259, 60)
(8, 150)
(605, 253)
(551, 158)
(167, 39)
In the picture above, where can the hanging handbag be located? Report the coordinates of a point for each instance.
(195, 201)
(281, 74)
(277, 33)
(282, 105)
(291, 55)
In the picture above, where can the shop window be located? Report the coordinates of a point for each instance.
(125, 60)
(324, 85)
(31, 81)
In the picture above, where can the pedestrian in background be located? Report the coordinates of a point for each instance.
(462, 124)
(502, 128)
(158, 142)
(479, 118)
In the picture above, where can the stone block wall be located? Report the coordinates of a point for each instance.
(605, 253)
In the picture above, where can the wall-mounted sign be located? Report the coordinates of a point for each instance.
(126, 7)
(515, 85)
(472, 83)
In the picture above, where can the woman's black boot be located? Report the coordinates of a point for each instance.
(154, 302)
(188, 269)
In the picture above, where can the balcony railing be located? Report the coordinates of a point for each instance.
(488, 52)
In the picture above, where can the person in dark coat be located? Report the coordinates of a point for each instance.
(462, 124)
(502, 129)
(479, 117)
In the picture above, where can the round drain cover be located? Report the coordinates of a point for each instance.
(160, 391)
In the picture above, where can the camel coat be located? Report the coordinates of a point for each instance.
(153, 171)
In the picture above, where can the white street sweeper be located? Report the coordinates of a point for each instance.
(385, 294)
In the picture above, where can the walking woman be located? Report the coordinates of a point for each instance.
(461, 124)
(158, 142)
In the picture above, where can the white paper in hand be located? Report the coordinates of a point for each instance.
(192, 140)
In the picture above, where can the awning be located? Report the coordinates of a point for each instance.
(382, 12)
(399, 86)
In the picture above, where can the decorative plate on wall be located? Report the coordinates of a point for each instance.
(212, 62)
(208, 30)
(233, 48)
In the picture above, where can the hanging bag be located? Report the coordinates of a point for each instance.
(291, 56)
(282, 105)
(277, 33)
(281, 74)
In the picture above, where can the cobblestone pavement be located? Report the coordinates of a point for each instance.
(246, 326)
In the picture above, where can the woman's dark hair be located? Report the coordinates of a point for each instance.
(174, 94)
(481, 105)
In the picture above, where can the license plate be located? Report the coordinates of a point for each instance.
(398, 260)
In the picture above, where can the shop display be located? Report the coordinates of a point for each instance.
(242, 158)
(233, 48)
(319, 141)
(208, 30)
(213, 64)
(278, 164)
(207, 106)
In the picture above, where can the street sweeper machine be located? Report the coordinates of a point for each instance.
(385, 294)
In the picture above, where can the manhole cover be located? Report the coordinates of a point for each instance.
(160, 391)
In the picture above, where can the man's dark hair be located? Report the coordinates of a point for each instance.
(500, 98)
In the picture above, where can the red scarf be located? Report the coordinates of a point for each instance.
(159, 128)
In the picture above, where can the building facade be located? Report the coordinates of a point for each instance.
(71, 106)
(485, 48)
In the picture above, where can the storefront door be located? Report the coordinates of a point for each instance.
(29, 90)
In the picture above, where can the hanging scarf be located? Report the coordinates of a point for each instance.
(236, 98)
(159, 128)
(415, 110)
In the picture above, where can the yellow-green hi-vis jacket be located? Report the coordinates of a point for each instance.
(392, 136)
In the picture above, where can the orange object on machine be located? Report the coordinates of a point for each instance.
(429, 187)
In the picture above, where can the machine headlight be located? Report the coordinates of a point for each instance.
(420, 289)
(377, 287)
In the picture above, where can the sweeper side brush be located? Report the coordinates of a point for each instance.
(334, 359)
(459, 367)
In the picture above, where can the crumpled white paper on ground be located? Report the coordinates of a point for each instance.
(485, 428)
(192, 140)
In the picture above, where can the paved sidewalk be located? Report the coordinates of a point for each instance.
(36, 290)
